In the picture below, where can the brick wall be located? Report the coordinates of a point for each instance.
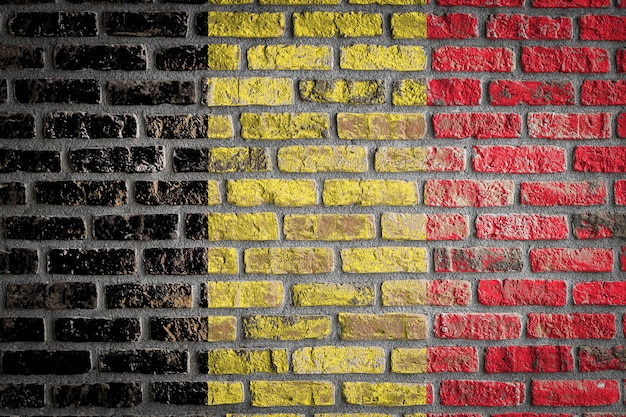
(313, 207)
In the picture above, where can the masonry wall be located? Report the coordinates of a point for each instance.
(313, 207)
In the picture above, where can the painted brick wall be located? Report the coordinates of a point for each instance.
(313, 208)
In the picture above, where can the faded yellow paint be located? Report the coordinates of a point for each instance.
(278, 126)
(291, 393)
(282, 193)
(221, 329)
(223, 57)
(247, 361)
(219, 393)
(404, 292)
(222, 261)
(322, 159)
(409, 360)
(403, 226)
(409, 92)
(290, 57)
(260, 91)
(408, 25)
(329, 24)
(289, 260)
(244, 294)
(330, 294)
(246, 25)
(343, 91)
(384, 259)
(329, 226)
(242, 226)
(387, 394)
(286, 327)
(369, 193)
(390, 3)
(338, 360)
(381, 126)
(365, 57)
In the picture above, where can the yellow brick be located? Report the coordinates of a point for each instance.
(404, 292)
(343, 91)
(244, 294)
(403, 226)
(381, 126)
(409, 92)
(246, 25)
(289, 260)
(419, 159)
(222, 261)
(219, 393)
(239, 159)
(290, 57)
(291, 393)
(282, 193)
(213, 193)
(329, 226)
(389, 326)
(260, 91)
(377, 57)
(384, 259)
(242, 226)
(369, 193)
(322, 159)
(409, 360)
(314, 294)
(390, 3)
(220, 127)
(284, 125)
(389, 394)
(329, 24)
(246, 361)
(221, 329)
(338, 360)
(286, 327)
(408, 25)
(223, 57)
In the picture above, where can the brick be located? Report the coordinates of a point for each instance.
(46, 90)
(468, 193)
(100, 57)
(21, 395)
(338, 360)
(243, 294)
(411, 92)
(17, 126)
(80, 125)
(386, 326)
(108, 395)
(481, 393)
(329, 227)
(106, 330)
(12, 194)
(243, 361)
(453, 92)
(482, 3)
(599, 225)
(533, 93)
(260, 91)
(222, 261)
(175, 261)
(566, 4)
(434, 360)
(246, 25)
(571, 326)
(477, 125)
(52, 296)
(291, 393)
(365, 57)
(568, 393)
(278, 126)
(145, 361)
(136, 227)
(471, 59)
(286, 327)
(410, 25)
(574, 193)
(419, 159)
(451, 26)
(569, 126)
(620, 63)
(151, 93)
(148, 296)
(22, 329)
(478, 326)
(521, 227)
(4, 94)
(596, 358)
(223, 57)
(570, 259)
(348, 294)
(535, 359)
(621, 122)
(15, 160)
(299, 3)
(342, 91)
(478, 259)
(242, 226)
(611, 293)
(92, 261)
(619, 191)
(189, 126)
(519, 159)
(221, 160)
(146, 24)
(176, 193)
(602, 27)
(290, 57)
(389, 2)
(194, 329)
(564, 59)
(609, 159)
(82, 193)
(197, 393)
(44, 228)
(330, 24)
(603, 93)
(42, 362)
(186, 58)
(279, 261)
(342, 192)
(523, 27)
(407, 226)
(18, 261)
(381, 126)
(21, 57)
(425, 292)
(387, 394)
(312, 159)
(522, 292)
(53, 24)
(384, 260)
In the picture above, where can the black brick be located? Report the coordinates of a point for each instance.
(53, 24)
(111, 1)
(145, 361)
(137, 227)
(97, 330)
(21, 395)
(45, 228)
(52, 296)
(100, 57)
(172, 193)
(109, 395)
(204, 160)
(177, 126)
(191, 160)
(77, 193)
(20, 57)
(17, 126)
(151, 92)
(182, 58)
(202, 24)
(12, 194)
(170, 24)
(118, 159)
(92, 261)
(21, 329)
(57, 91)
(180, 392)
(12, 2)
(3, 91)
(41, 362)
(148, 296)
(89, 126)
(175, 261)
(18, 261)
(14, 160)
(184, 329)
(197, 226)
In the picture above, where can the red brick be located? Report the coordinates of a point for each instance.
(569, 259)
(451, 26)
(477, 125)
(522, 292)
(574, 393)
(446, 227)
(571, 4)
(520, 27)
(533, 93)
(472, 59)
(482, 3)
(468, 193)
(620, 192)
(621, 125)
(451, 359)
(477, 259)
(569, 125)
(598, 358)
(603, 93)
(453, 415)
(531, 415)
(602, 27)
(521, 227)
(575, 193)
(600, 158)
(478, 326)
(453, 92)
(565, 59)
(620, 60)
(481, 393)
(571, 326)
(599, 225)
(622, 259)
(518, 159)
(607, 293)
(528, 359)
